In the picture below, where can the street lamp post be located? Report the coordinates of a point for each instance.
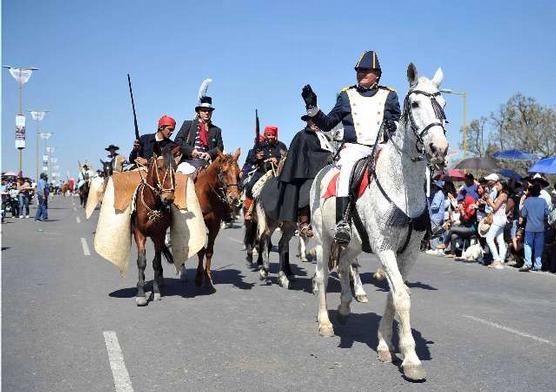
(464, 95)
(38, 116)
(46, 136)
(21, 75)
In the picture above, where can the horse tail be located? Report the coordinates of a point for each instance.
(167, 254)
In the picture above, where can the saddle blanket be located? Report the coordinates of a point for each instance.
(332, 185)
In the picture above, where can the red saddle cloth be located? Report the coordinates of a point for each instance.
(331, 189)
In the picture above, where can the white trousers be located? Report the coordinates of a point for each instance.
(349, 155)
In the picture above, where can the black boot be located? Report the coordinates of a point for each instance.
(343, 228)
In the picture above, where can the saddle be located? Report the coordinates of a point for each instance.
(362, 175)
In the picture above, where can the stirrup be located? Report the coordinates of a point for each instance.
(343, 233)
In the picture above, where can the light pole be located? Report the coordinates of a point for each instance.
(46, 136)
(38, 116)
(464, 95)
(21, 76)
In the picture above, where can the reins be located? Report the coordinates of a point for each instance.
(158, 190)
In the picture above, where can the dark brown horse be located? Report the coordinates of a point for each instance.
(152, 216)
(217, 188)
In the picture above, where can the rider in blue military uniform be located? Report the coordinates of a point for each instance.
(363, 109)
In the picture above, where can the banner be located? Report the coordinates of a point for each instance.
(20, 131)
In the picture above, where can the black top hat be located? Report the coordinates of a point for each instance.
(112, 147)
(368, 60)
(204, 102)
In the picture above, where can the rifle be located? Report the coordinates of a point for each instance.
(133, 107)
(257, 130)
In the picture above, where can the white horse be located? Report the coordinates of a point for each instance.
(390, 209)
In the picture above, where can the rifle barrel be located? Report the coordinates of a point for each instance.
(133, 107)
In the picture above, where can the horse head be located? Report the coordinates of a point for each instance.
(161, 176)
(424, 113)
(227, 170)
(106, 168)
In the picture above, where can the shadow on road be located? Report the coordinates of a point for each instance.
(363, 328)
(187, 289)
(382, 285)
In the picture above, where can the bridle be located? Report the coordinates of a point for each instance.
(221, 191)
(158, 189)
(420, 134)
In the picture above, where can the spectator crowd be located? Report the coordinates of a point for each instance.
(494, 222)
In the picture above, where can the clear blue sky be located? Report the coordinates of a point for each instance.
(259, 55)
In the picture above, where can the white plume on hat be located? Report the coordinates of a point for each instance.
(204, 87)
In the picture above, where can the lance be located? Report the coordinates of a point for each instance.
(257, 129)
(133, 107)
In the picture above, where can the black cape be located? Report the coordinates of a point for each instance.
(283, 196)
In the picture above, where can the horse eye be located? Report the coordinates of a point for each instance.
(414, 104)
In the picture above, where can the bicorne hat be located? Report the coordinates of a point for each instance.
(368, 60)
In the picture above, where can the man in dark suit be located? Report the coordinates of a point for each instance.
(143, 147)
(200, 138)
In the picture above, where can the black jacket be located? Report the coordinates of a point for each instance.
(147, 144)
(186, 138)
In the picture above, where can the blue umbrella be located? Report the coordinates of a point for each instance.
(544, 166)
(510, 174)
(514, 155)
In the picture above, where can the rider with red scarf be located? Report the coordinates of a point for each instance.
(264, 156)
(200, 138)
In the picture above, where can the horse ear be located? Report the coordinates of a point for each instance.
(219, 153)
(156, 149)
(437, 78)
(236, 154)
(176, 150)
(412, 75)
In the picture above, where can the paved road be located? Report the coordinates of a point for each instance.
(70, 323)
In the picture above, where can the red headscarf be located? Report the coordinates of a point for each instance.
(165, 121)
(468, 211)
(272, 130)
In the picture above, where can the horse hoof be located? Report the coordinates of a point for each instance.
(362, 298)
(284, 282)
(414, 373)
(379, 274)
(140, 301)
(326, 331)
(384, 356)
(263, 274)
(156, 297)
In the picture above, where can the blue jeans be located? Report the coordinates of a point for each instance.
(42, 213)
(534, 244)
(23, 204)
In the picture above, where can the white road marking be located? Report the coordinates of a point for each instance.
(85, 247)
(511, 330)
(78, 219)
(122, 382)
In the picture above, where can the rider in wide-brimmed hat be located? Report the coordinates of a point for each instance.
(362, 109)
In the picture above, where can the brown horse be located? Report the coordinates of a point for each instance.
(217, 188)
(152, 216)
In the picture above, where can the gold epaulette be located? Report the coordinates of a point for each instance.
(346, 88)
(388, 88)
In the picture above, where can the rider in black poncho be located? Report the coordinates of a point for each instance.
(287, 196)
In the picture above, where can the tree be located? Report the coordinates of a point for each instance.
(524, 124)
(475, 137)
